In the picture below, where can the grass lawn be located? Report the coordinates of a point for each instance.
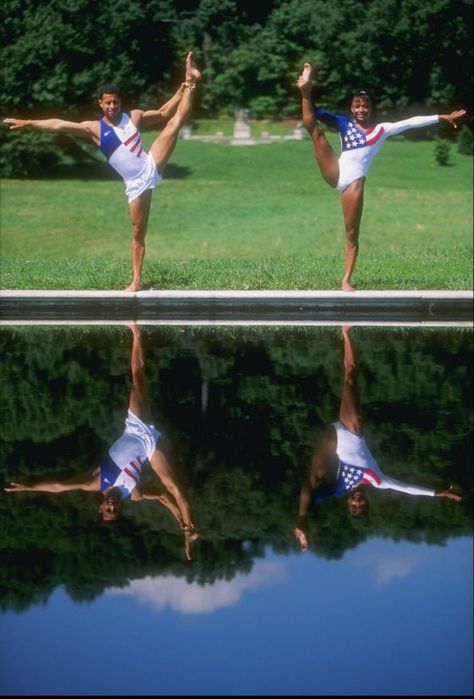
(258, 217)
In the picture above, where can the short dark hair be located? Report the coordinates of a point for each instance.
(109, 89)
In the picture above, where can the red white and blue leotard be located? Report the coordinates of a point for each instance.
(357, 466)
(358, 147)
(122, 146)
(122, 465)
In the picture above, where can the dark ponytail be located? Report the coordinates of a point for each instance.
(362, 93)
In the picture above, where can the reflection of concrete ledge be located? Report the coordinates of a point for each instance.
(266, 307)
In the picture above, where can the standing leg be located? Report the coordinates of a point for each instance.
(325, 155)
(352, 203)
(163, 146)
(350, 416)
(349, 412)
(139, 403)
(178, 109)
(139, 210)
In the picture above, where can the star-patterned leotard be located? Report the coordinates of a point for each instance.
(359, 147)
(357, 466)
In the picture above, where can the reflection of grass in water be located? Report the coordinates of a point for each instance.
(268, 335)
(246, 217)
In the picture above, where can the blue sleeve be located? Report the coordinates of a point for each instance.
(336, 120)
(323, 492)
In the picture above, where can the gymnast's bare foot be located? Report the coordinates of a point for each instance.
(134, 286)
(347, 287)
(305, 80)
(192, 75)
(190, 536)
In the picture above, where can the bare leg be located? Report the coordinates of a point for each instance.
(169, 108)
(325, 155)
(179, 108)
(163, 146)
(139, 403)
(352, 200)
(349, 413)
(139, 214)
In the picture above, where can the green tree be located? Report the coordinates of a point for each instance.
(56, 54)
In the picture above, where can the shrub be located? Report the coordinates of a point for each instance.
(465, 140)
(442, 148)
(263, 107)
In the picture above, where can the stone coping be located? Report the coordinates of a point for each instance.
(237, 306)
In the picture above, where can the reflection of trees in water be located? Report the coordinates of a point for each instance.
(241, 410)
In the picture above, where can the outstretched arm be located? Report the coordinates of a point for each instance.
(393, 484)
(83, 129)
(397, 127)
(86, 481)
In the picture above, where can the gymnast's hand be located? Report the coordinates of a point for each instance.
(16, 123)
(17, 487)
(452, 117)
(448, 494)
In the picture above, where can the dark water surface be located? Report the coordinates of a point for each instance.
(381, 605)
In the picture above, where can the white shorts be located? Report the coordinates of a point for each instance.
(147, 179)
(146, 433)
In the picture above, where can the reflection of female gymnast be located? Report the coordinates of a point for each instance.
(361, 139)
(342, 463)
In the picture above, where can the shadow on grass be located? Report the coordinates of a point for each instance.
(98, 171)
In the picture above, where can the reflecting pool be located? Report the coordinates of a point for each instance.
(283, 585)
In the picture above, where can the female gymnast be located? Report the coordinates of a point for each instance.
(361, 140)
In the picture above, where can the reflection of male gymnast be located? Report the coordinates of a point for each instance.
(119, 473)
(361, 139)
(342, 463)
(117, 135)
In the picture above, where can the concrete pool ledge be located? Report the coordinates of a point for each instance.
(237, 307)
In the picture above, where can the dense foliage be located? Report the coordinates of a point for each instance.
(55, 54)
(242, 410)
